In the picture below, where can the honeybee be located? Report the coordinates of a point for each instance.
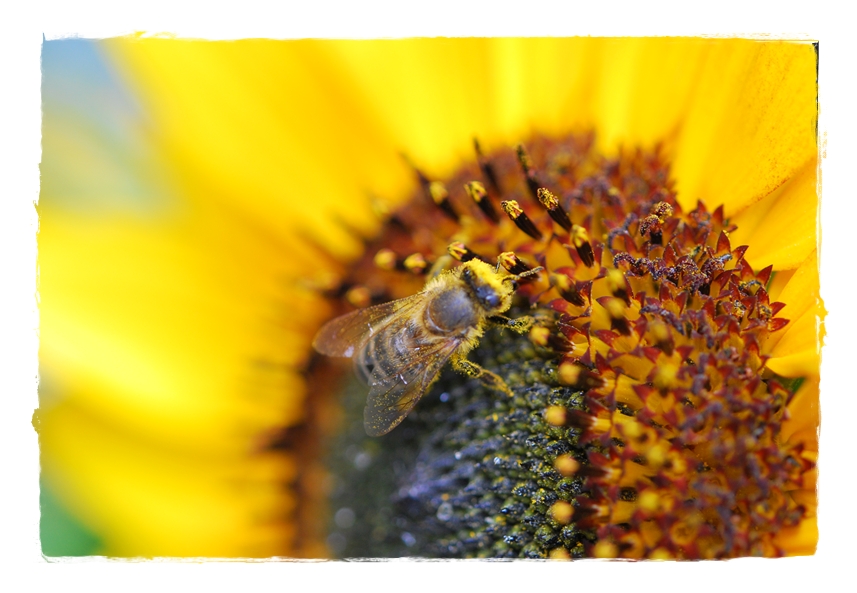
(400, 347)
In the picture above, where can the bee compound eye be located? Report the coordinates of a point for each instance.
(487, 297)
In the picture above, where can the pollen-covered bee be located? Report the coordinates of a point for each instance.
(400, 347)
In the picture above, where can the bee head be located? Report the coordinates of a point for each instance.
(487, 286)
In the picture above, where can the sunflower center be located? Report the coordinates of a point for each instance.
(657, 428)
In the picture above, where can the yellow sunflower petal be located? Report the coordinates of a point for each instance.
(246, 103)
(803, 422)
(434, 95)
(796, 349)
(792, 206)
(801, 540)
(740, 142)
(642, 88)
(147, 499)
(154, 332)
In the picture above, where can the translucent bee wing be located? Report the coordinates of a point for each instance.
(347, 334)
(393, 394)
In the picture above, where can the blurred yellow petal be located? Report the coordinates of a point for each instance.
(644, 86)
(247, 103)
(153, 354)
(146, 499)
(173, 331)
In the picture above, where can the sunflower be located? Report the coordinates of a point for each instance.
(199, 199)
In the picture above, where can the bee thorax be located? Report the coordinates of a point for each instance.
(452, 310)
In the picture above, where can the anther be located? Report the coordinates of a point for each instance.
(477, 193)
(567, 289)
(512, 263)
(559, 554)
(527, 168)
(540, 336)
(580, 240)
(566, 465)
(662, 210)
(561, 416)
(487, 168)
(386, 259)
(662, 336)
(439, 195)
(652, 225)
(359, 296)
(462, 253)
(618, 285)
(578, 376)
(649, 502)
(605, 549)
(556, 415)
(665, 376)
(616, 309)
(561, 512)
(416, 263)
(520, 218)
(434, 190)
(549, 201)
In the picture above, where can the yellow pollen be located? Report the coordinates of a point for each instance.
(568, 373)
(660, 332)
(656, 456)
(562, 512)
(358, 296)
(649, 501)
(561, 281)
(579, 236)
(555, 415)
(539, 336)
(631, 429)
(438, 192)
(416, 262)
(509, 260)
(547, 199)
(605, 549)
(566, 465)
(615, 280)
(665, 376)
(475, 190)
(457, 250)
(678, 465)
(511, 208)
(385, 259)
(662, 210)
(615, 307)
(559, 554)
(661, 554)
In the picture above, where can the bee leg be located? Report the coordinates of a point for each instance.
(520, 325)
(489, 379)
